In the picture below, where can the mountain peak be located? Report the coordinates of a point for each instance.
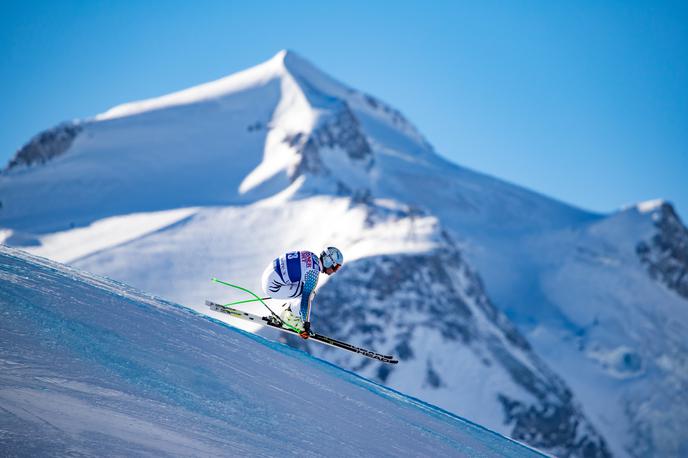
(317, 86)
(255, 76)
(650, 205)
(291, 61)
(286, 62)
(285, 55)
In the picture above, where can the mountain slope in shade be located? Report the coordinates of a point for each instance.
(615, 332)
(226, 175)
(91, 366)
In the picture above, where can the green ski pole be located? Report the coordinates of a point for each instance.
(258, 299)
(247, 300)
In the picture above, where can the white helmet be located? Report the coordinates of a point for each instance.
(331, 256)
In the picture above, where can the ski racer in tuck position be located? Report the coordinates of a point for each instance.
(293, 277)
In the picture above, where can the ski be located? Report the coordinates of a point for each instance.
(274, 323)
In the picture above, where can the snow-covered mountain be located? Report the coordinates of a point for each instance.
(92, 367)
(218, 179)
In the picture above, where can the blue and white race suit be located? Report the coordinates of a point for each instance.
(293, 276)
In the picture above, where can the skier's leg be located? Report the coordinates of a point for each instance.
(291, 316)
(275, 287)
(295, 307)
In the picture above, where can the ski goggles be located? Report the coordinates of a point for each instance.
(330, 263)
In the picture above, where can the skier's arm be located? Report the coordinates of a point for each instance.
(309, 282)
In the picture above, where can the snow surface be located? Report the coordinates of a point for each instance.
(225, 156)
(70, 245)
(93, 367)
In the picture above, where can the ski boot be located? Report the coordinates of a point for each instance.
(289, 318)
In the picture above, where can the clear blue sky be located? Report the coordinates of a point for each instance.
(583, 101)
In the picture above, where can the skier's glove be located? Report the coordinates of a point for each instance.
(306, 333)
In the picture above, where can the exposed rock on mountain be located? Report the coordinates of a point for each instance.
(339, 131)
(666, 254)
(46, 145)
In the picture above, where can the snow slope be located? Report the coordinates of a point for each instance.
(218, 179)
(448, 329)
(93, 367)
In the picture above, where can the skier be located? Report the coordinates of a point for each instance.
(295, 275)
